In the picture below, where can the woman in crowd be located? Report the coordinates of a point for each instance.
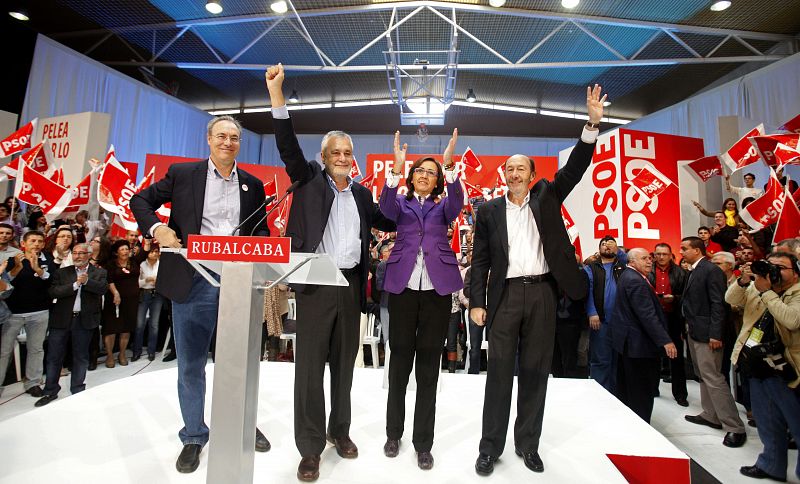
(150, 303)
(60, 245)
(121, 304)
(101, 251)
(421, 275)
(37, 221)
(729, 208)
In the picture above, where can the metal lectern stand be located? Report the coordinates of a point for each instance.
(234, 401)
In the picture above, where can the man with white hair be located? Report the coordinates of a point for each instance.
(330, 215)
(639, 335)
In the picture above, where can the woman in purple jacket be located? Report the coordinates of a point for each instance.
(421, 274)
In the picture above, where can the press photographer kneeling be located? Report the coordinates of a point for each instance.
(767, 351)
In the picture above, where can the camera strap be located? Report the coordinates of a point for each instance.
(763, 330)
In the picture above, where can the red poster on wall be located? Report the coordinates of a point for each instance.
(262, 172)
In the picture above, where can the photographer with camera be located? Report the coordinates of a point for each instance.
(767, 350)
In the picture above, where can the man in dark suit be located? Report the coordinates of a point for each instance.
(522, 249)
(704, 309)
(209, 197)
(638, 335)
(78, 290)
(331, 215)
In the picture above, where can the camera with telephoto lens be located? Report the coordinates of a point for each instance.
(765, 269)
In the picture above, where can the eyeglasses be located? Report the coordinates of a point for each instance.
(224, 137)
(426, 172)
(83, 252)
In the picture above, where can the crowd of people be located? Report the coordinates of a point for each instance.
(722, 309)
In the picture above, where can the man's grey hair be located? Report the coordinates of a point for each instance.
(637, 252)
(219, 119)
(727, 256)
(333, 134)
(792, 244)
(83, 244)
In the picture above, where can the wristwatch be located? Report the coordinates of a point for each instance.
(592, 125)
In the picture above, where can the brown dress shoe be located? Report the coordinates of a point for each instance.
(344, 446)
(391, 448)
(308, 470)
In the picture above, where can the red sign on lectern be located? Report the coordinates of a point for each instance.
(239, 249)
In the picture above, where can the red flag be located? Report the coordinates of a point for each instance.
(455, 242)
(148, 180)
(41, 163)
(58, 175)
(368, 181)
(80, 194)
(572, 230)
(115, 189)
(35, 157)
(788, 226)
(472, 191)
(766, 208)
(34, 188)
(18, 140)
(271, 189)
(501, 179)
(650, 182)
(117, 231)
(786, 155)
(355, 171)
(470, 159)
(793, 125)
(164, 212)
(706, 167)
(765, 145)
(742, 153)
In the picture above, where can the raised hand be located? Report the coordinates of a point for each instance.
(447, 157)
(274, 77)
(399, 155)
(594, 103)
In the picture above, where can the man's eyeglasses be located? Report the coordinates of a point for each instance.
(224, 137)
(83, 252)
(424, 171)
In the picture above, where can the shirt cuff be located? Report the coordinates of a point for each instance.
(153, 228)
(393, 180)
(280, 112)
(450, 175)
(589, 136)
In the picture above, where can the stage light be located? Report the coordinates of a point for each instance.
(720, 5)
(279, 7)
(497, 3)
(294, 98)
(570, 3)
(214, 6)
(471, 98)
(20, 14)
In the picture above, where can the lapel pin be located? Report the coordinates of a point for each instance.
(244, 187)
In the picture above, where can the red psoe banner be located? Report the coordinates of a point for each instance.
(18, 140)
(650, 182)
(766, 208)
(706, 167)
(239, 249)
(765, 145)
(793, 125)
(742, 153)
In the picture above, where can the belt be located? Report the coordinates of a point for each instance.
(352, 271)
(76, 314)
(531, 279)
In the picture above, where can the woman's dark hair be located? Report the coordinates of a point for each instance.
(116, 245)
(437, 190)
(50, 245)
(735, 204)
(103, 254)
(33, 220)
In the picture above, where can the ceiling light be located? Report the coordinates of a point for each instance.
(20, 14)
(220, 112)
(214, 6)
(570, 3)
(471, 96)
(279, 7)
(294, 99)
(497, 3)
(720, 5)
(426, 106)
(298, 107)
(606, 104)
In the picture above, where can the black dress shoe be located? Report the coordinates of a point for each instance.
(697, 419)
(35, 391)
(425, 460)
(756, 473)
(262, 444)
(682, 402)
(135, 357)
(189, 458)
(733, 439)
(485, 464)
(308, 470)
(170, 357)
(532, 460)
(92, 365)
(391, 448)
(151, 356)
(344, 446)
(45, 400)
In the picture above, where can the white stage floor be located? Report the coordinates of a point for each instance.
(126, 431)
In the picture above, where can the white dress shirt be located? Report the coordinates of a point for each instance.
(525, 250)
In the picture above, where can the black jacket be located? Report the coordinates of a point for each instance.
(640, 326)
(704, 301)
(677, 282)
(185, 186)
(312, 203)
(91, 297)
(490, 242)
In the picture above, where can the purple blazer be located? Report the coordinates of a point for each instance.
(424, 226)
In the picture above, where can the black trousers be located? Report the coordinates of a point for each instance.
(636, 380)
(419, 326)
(676, 327)
(565, 352)
(328, 320)
(525, 321)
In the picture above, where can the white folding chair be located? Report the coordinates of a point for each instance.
(372, 338)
